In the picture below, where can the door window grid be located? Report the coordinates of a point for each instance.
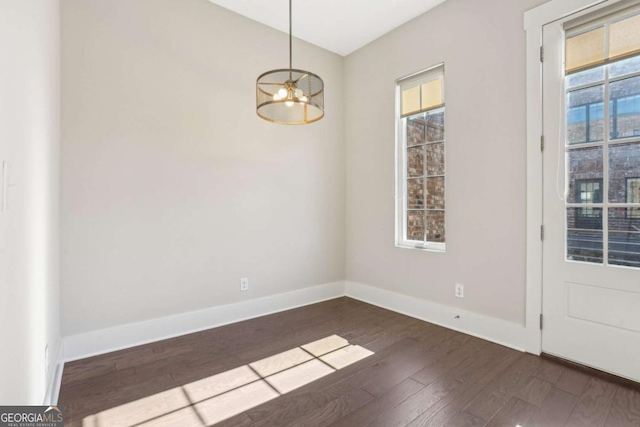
(594, 232)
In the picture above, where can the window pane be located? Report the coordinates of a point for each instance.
(633, 193)
(435, 159)
(584, 234)
(624, 164)
(415, 225)
(435, 226)
(411, 100)
(585, 115)
(624, 108)
(585, 175)
(435, 193)
(415, 193)
(415, 130)
(585, 77)
(435, 125)
(627, 66)
(624, 37)
(624, 237)
(415, 161)
(432, 94)
(585, 49)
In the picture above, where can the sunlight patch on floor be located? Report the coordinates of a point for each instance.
(216, 398)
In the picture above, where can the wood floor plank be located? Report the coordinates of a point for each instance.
(334, 410)
(443, 389)
(625, 410)
(382, 374)
(444, 365)
(444, 411)
(555, 409)
(515, 412)
(593, 406)
(535, 392)
(372, 410)
(463, 419)
(504, 387)
(284, 410)
(549, 370)
(572, 381)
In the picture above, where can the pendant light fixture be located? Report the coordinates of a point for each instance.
(290, 96)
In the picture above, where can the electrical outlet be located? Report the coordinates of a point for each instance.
(459, 290)
(244, 284)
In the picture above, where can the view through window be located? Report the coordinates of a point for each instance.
(421, 161)
(603, 140)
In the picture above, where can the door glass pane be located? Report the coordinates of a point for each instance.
(585, 115)
(624, 237)
(415, 225)
(624, 165)
(624, 67)
(585, 175)
(633, 193)
(592, 75)
(584, 234)
(624, 108)
(435, 226)
(435, 159)
(415, 193)
(415, 161)
(435, 193)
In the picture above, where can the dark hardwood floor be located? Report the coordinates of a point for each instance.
(420, 375)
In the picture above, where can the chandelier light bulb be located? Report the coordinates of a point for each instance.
(282, 93)
(289, 103)
(298, 93)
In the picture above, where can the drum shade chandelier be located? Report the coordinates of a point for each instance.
(290, 96)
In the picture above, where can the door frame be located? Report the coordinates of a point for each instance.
(534, 21)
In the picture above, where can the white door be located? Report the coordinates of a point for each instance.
(591, 247)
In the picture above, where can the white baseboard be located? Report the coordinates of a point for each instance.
(55, 382)
(120, 337)
(499, 331)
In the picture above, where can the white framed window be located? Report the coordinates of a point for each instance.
(420, 160)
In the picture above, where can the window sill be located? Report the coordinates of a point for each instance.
(428, 247)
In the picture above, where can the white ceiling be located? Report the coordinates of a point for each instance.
(341, 26)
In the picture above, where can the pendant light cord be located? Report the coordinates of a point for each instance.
(290, 39)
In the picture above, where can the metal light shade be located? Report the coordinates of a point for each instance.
(289, 96)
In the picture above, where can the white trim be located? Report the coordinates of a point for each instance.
(534, 21)
(488, 328)
(53, 388)
(554, 10)
(125, 336)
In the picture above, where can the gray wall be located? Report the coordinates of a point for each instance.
(482, 44)
(29, 246)
(172, 187)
